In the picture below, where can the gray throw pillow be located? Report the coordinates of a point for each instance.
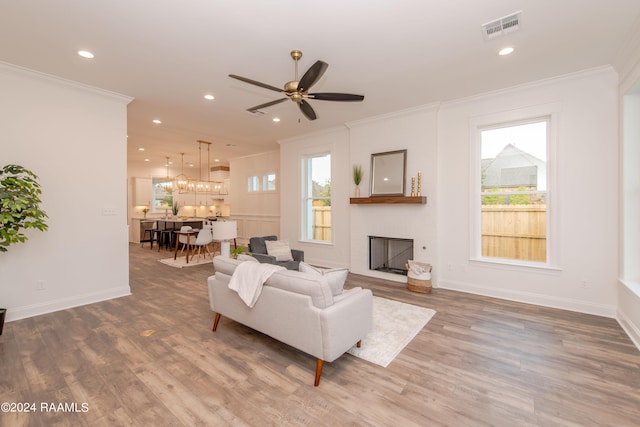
(279, 249)
(335, 276)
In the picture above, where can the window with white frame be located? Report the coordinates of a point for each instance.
(269, 182)
(512, 192)
(253, 184)
(266, 182)
(316, 200)
(162, 196)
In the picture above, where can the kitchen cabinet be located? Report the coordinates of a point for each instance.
(142, 191)
(137, 228)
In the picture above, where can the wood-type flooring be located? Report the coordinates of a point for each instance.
(479, 362)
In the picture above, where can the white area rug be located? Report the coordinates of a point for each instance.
(395, 324)
(180, 261)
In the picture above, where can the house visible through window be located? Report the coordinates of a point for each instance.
(316, 201)
(513, 192)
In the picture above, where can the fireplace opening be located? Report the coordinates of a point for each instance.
(390, 254)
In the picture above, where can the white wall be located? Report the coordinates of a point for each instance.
(257, 213)
(335, 141)
(416, 131)
(629, 284)
(586, 195)
(74, 138)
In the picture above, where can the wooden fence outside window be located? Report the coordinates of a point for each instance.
(515, 232)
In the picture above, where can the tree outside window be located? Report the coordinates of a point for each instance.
(316, 210)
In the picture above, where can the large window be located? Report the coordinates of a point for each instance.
(512, 183)
(162, 199)
(316, 200)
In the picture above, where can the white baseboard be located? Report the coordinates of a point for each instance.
(17, 313)
(532, 298)
(628, 326)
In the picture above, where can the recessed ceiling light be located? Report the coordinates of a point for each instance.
(209, 97)
(146, 160)
(156, 121)
(216, 160)
(85, 54)
(506, 51)
(141, 149)
(276, 119)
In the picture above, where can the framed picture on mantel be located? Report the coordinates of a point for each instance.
(388, 173)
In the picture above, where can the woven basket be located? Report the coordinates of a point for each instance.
(421, 286)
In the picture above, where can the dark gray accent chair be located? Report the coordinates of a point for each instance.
(258, 249)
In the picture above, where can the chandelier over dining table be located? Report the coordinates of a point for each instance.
(204, 185)
(185, 185)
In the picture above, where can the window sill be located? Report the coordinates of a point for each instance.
(316, 242)
(505, 264)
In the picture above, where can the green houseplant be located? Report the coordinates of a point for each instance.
(19, 205)
(357, 178)
(237, 251)
(19, 209)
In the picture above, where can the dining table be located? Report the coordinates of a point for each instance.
(172, 224)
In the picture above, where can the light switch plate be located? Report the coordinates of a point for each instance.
(108, 211)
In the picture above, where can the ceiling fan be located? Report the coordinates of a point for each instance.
(298, 90)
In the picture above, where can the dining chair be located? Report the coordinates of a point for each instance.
(204, 239)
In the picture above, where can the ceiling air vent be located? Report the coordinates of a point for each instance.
(502, 26)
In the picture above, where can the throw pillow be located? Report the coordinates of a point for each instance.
(245, 257)
(308, 268)
(279, 249)
(335, 276)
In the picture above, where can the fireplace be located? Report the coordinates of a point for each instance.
(390, 254)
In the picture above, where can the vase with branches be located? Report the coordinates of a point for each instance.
(357, 178)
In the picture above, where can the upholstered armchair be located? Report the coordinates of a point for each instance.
(258, 249)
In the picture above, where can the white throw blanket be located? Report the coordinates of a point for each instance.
(248, 278)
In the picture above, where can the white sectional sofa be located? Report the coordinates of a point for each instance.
(297, 309)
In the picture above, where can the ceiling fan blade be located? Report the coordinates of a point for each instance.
(306, 109)
(266, 104)
(253, 82)
(312, 75)
(336, 96)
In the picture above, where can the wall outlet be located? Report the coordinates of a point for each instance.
(40, 285)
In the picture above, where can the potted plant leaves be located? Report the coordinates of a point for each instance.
(19, 209)
(19, 205)
(357, 178)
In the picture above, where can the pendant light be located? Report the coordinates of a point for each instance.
(182, 181)
(203, 185)
(167, 184)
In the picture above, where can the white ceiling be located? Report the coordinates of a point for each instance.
(399, 54)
